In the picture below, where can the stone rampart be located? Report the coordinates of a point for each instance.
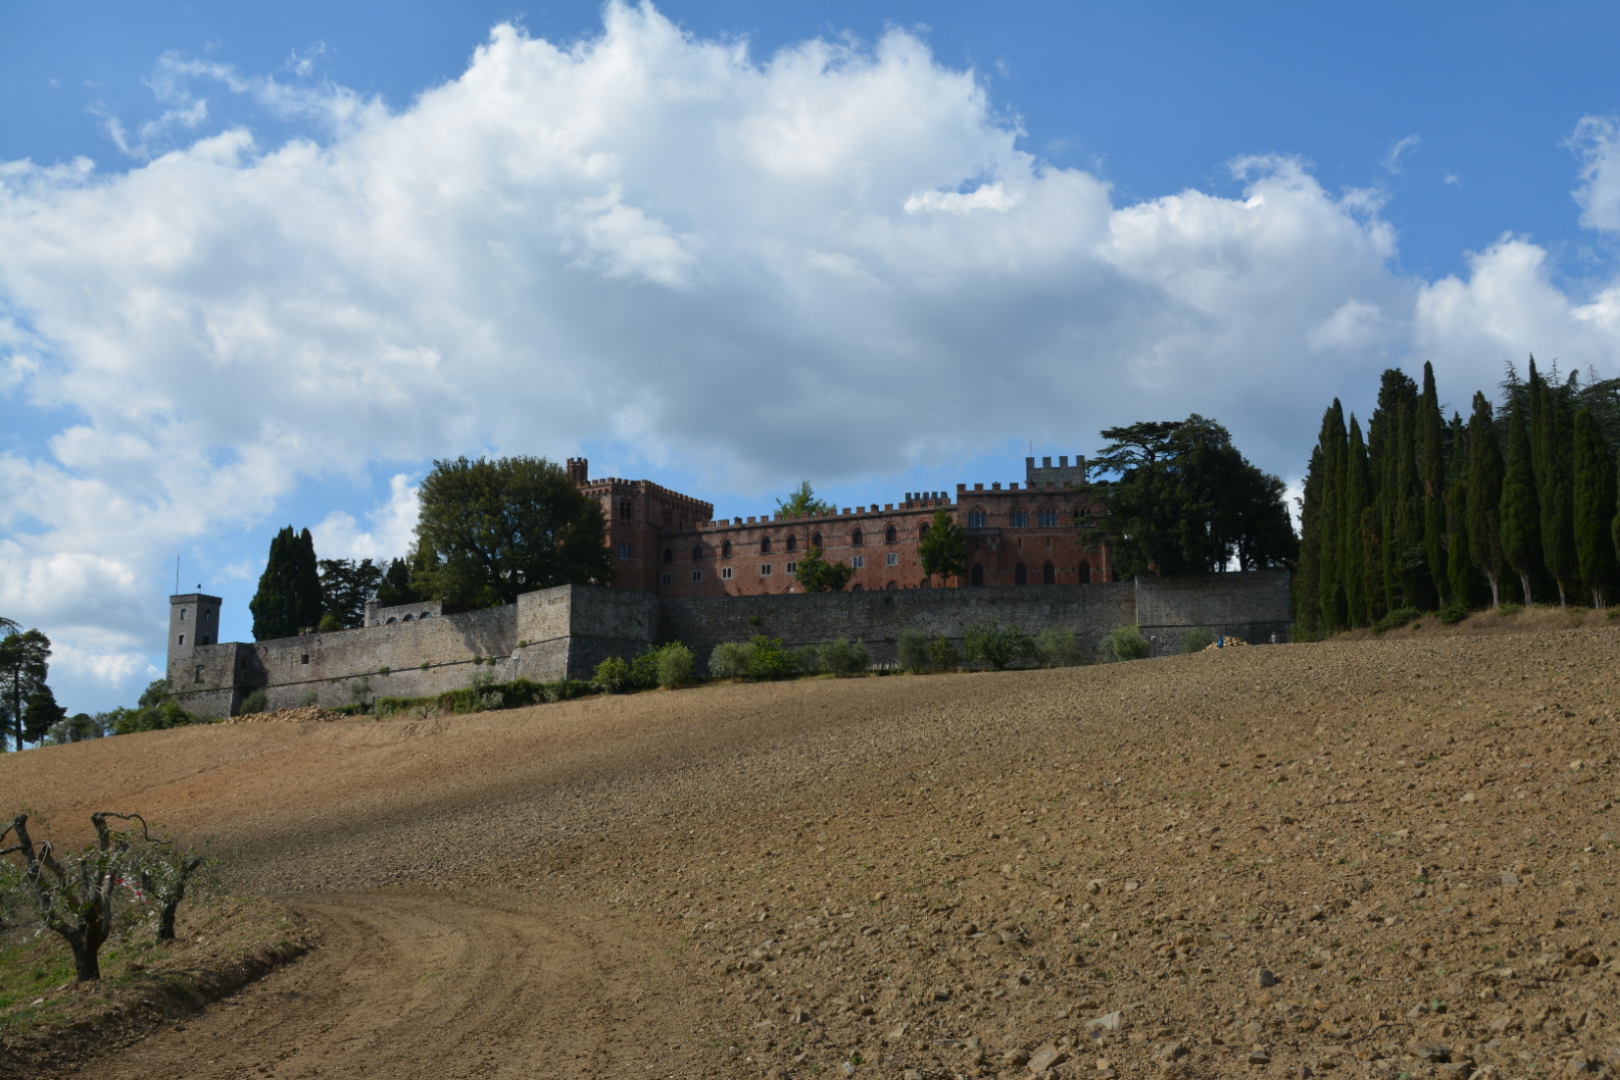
(565, 632)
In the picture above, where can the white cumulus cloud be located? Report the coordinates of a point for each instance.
(833, 261)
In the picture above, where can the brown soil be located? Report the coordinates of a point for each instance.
(1408, 840)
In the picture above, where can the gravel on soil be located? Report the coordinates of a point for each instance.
(1378, 857)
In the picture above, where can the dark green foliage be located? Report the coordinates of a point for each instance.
(1197, 640)
(1308, 575)
(912, 651)
(24, 664)
(491, 530)
(674, 666)
(77, 728)
(943, 552)
(1186, 501)
(1357, 539)
(1552, 455)
(844, 657)
(942, 654)
(329, 623)
(1594, 509)
(1431, 447)
(255, 702)
(1521, 516)
(769, 660)
(41, 713)
(1397, 618)
(345, 585)
(395, 588)
(803, 502)
(1124, 643)
(816, 574)
(1453, 613)
(612, 675)
(1485, 476)
(156, 711)
(995, 646)
(1058, 647)
(1461, 576)
(289, 596)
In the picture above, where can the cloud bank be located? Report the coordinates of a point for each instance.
(835, 255)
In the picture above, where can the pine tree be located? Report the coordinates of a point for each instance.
(1357, 499)
(1484, 514)
(1594, 508)
(289, 597)
(1521, 516)
(1432, 472)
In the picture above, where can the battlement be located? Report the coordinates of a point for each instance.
(1062, 473)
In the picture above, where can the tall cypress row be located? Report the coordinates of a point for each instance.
(1594, 509)
(1388, 441)
(1357, 499)
(1484, 514)
(1432, 473)
(1521, 515)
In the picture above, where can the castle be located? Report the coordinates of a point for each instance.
(680, 575)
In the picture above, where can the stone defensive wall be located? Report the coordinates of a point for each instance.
(565, 632)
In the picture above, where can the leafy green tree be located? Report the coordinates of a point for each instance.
(1484, 511)
(1521, 517)
(803, 502)
(816, 574)
(491, 530)
(41, 713)
(1594, 509)
(1187, 501)
(24, 664)
(345, 586)
(77, 728)
(996, 646)
(1124, 643)
(943, 552)
(289, 596)
(395, 587)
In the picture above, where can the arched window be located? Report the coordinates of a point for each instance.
(624, 511)
(1018, 519)
(1085, 572)
(856, 538)
(890, 535)
(764, 545)
(815, 540)
(725, 549)
(425, 615)
(978, 574)
(408, 618)
(922, 532)
(793, 543)
(1020, 575)
(669, 556)
(391, 622)
(183, 637)
(1048, 574)
(697, 552)
(1047, 517)
(977, 519)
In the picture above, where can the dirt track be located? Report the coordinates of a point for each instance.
(944, 875)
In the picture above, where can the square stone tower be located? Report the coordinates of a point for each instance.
(193, 623)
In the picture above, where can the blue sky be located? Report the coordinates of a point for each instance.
(261, 263)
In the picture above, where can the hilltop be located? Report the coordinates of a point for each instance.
(1384, 855)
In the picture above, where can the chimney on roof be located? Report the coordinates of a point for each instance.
(579, 471)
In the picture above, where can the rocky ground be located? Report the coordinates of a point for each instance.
(1380, 857)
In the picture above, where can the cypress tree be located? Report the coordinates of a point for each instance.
(1432, 473)
(1307, 582)
(289, 596)
(1388, 442)
(1410, 557)
(1521, 516)
(1594, 508)
(1484, 515)
(1459, 560)
(1555, 486)
(1330, 584)
(1357, 498)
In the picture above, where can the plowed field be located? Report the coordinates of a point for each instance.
(1378, 857)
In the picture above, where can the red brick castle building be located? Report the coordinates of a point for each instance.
(669, 544)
